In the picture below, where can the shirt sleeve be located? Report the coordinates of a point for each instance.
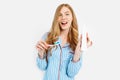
(74, 67)
(44, 37)
(41, 63)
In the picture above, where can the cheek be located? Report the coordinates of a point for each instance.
(70, 18)
(59, 19)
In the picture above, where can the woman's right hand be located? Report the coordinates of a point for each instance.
(41, 46)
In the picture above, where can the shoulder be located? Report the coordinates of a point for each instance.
(44, 36)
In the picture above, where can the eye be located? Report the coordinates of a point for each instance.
(67, 14)
(60, 15)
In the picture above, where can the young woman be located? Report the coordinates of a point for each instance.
(59, 50)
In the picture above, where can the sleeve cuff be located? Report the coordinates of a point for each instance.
(41, 63)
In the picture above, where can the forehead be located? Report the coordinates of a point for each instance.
(65, 10)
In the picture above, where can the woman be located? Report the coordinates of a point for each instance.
(59, 50)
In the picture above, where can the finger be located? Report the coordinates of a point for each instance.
(89, 44)
(45, 44)
(42, 43)
(87, 37)
(39, 47)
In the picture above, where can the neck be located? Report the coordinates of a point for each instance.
(63, 36)
(64, 33)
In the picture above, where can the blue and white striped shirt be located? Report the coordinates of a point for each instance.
(60, 65)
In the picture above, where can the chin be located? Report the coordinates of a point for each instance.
(64, 28)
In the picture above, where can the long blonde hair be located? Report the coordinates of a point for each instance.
(55, 29)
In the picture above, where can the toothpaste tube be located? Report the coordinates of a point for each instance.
(84, 39)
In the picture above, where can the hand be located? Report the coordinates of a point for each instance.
(78, 50)
(89, 43)
(41, 46)
(78, 47)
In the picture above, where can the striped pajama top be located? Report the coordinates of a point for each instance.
(60, 65)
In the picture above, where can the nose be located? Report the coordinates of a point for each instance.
(63, 16)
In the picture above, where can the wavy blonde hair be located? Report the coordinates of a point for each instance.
(55, 29)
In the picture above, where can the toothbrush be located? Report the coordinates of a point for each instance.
(55, 44)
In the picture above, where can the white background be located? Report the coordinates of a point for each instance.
(22, 23)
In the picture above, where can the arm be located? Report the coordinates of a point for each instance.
(41, 46)
(41, 63)
(74, 66)
(76, 62)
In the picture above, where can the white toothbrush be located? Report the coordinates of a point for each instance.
(55, 44)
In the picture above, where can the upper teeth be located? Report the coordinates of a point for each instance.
(64, 22)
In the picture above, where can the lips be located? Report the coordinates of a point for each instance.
(63, 23)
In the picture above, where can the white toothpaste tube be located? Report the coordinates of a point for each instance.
(84, 39)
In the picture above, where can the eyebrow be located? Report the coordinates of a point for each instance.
(66, 12)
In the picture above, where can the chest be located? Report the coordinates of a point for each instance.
(63, 54)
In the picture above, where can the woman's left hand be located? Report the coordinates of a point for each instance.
(78, 47)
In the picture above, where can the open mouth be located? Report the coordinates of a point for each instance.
(63, 23)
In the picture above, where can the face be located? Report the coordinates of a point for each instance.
(65, 18)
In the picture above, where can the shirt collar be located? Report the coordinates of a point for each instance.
(59, 41)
